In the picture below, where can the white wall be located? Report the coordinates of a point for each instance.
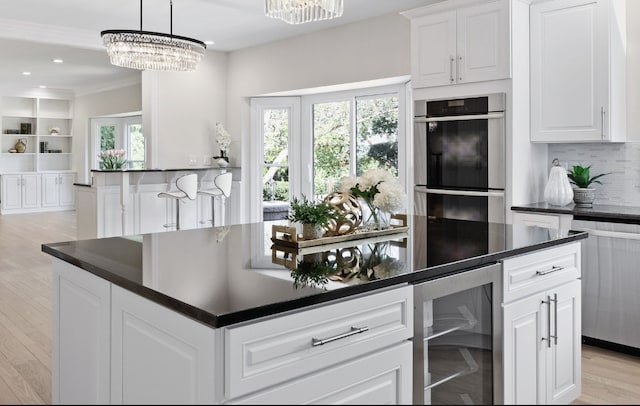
(123, 100)
(373, 49)
(633, 70)
(180, 110)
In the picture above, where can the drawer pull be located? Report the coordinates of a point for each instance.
(550, 270)
(354, 330)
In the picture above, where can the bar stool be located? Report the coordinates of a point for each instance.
(222, 189)
(187, 186)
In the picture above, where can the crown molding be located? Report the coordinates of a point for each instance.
(51, 34)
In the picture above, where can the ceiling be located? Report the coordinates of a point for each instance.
(34, 32)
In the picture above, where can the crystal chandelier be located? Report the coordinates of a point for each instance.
(153, 50)
(303, 11)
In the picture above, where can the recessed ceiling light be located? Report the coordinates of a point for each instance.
(26, 73)
(43, 86)
(209, 42)
(58, 60)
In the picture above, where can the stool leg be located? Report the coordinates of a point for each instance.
(177, 214)
(213, 211)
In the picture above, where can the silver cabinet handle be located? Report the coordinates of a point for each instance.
(459, 68)
(602, 116)
(548, 338)
(451, 60)
(18, 181)
(550, 270)
(555, 318)
(354, 330)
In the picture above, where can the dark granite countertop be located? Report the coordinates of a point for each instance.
(599, 212)
(191, 168)
(225, 275)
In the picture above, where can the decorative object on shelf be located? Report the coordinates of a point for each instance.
(21, 145)
(314, 216)
(153, 50)
(25, 128)
(12, 131)
(54, 130)
(583, 195)
(558, 191)
(381, 192)
(348, 213)
(303, 11)
(112, 159)
(223, 139)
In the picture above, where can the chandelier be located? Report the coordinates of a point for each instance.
(153, 50)
(303, 11)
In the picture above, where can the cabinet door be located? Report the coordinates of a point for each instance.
(159, 356)
(66, 190)
(30, 191)
(50, 190)
(433, 50)
(81, 323)
(564, 357)
(525, 324)
(483, 42)
(569, 71)
(11, 192)
(383, 377)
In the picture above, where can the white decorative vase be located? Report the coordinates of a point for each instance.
(311, 231)
(558, 191)
(222, 163)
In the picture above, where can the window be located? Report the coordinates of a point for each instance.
(118, 133)
(339, 134)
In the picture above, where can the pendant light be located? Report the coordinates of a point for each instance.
(153, 50)
(303, 11)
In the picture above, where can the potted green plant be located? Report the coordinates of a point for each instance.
(583, 195)
(312, 215)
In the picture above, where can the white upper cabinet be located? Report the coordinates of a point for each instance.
(578, 71)
(460, 45)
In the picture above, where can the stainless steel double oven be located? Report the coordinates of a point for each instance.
(459, 158)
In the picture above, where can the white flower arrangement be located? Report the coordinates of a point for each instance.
(378, 188)
(112, 158)
(223, 138)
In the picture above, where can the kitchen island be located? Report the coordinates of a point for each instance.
(125, 202)
(206, 316)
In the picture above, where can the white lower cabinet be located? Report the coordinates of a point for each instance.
(383, 378)
(542, 339)
(57, 189)
(20, 191)
(111, 345)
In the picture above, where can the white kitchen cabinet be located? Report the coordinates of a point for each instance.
(547, 220)
(578, 71)
(385, 379)
(111, 345)
(462, 45)
(159, 356)
(20, 191)
(542, 327)
(81, 341)
(57, 189)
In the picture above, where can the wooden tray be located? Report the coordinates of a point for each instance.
(285, 236)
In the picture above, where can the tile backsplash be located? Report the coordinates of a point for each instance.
(622, 161)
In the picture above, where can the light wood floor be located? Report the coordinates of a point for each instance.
(25, 321)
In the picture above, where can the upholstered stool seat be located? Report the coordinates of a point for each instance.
(221, 190)
(187, 186)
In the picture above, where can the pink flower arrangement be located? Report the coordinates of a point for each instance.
(112, 158)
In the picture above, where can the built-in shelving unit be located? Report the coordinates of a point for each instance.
(44, 125)
(40, 177)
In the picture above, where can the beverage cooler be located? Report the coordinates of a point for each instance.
(458, 339)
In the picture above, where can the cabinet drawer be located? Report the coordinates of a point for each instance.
(530, 273)
(276, 350)
(380, 378)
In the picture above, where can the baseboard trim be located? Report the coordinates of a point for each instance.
(608, 345)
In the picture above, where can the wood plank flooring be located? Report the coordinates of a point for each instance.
(25, 321)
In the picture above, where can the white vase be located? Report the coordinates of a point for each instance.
(558, 191)
(222, 163)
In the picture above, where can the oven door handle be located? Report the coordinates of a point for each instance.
(490, 193)
(488, 116)
(609, 234)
